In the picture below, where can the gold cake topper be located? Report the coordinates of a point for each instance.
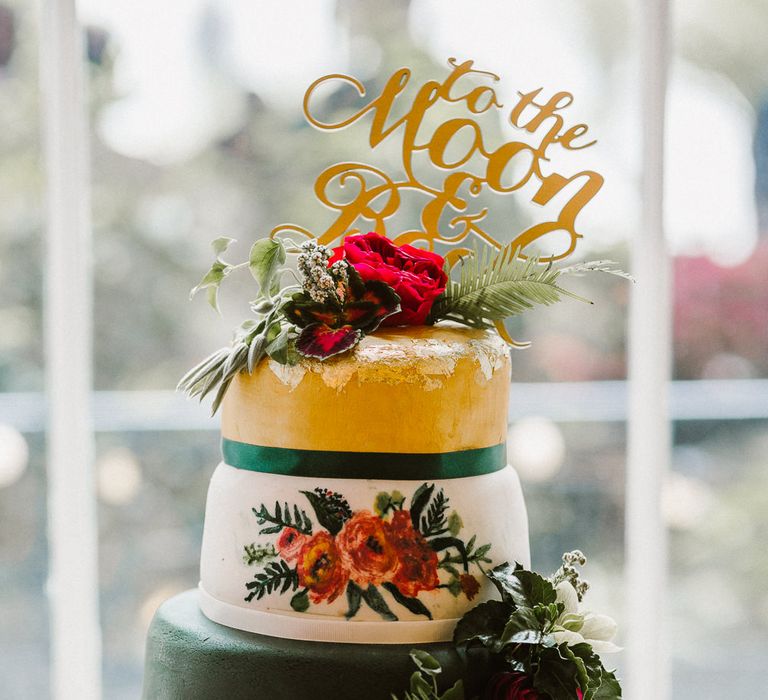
(377, 196)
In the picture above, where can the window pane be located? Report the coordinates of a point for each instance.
(716, 219)
(23, 550)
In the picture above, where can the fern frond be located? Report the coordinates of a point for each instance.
(596, 266)
(495, 286)
(275, 576)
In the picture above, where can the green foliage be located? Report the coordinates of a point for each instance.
(221, 244)
(258, 554)
(300, 601)
(375, 602)
(423, 684)
(419, 501)
(473, 556)
(414, 605)
(385, 502)
(521, 587)
(332, 510)
(264, 261)
(426, 663)
(276, 576)
(267, 334)
(484, 623)
(495, 286)
(440, 543)
(282, 518)
(354, 598)
(218, 271)
(435, 523)
(455, 523)
(518, 628)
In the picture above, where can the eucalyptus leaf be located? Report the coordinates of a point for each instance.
(264, 261)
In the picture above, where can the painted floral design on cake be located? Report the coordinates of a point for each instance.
(381, 557)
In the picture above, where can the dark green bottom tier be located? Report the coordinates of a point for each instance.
(191, 658)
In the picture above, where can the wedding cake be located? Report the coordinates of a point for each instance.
(358, 502)
(375, 487)
(363, 505)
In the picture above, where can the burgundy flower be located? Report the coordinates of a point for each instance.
(514, 686)
(416, 275)
(337, 324)
(469, 585)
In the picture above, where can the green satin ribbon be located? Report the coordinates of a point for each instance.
(364, 465)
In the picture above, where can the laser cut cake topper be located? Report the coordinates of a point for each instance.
(377, 195)
(357, 275)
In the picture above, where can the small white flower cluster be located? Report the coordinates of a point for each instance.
(569, 572)
(313, 266)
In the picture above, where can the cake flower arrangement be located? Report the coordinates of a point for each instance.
(394, 548)
(547, 643)
(341, 295)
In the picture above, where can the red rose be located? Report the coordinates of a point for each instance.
(416, 560)
(365, 549)
(289, 544)
(514, 686)
(416, 275)
(320, 568)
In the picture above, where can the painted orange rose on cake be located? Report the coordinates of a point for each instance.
(366, 550)
(391, 553)
(320, 568)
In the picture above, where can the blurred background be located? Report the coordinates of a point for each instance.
(197, 132)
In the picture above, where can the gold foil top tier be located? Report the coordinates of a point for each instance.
(418, 389)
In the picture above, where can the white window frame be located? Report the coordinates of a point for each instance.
(73, 575)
